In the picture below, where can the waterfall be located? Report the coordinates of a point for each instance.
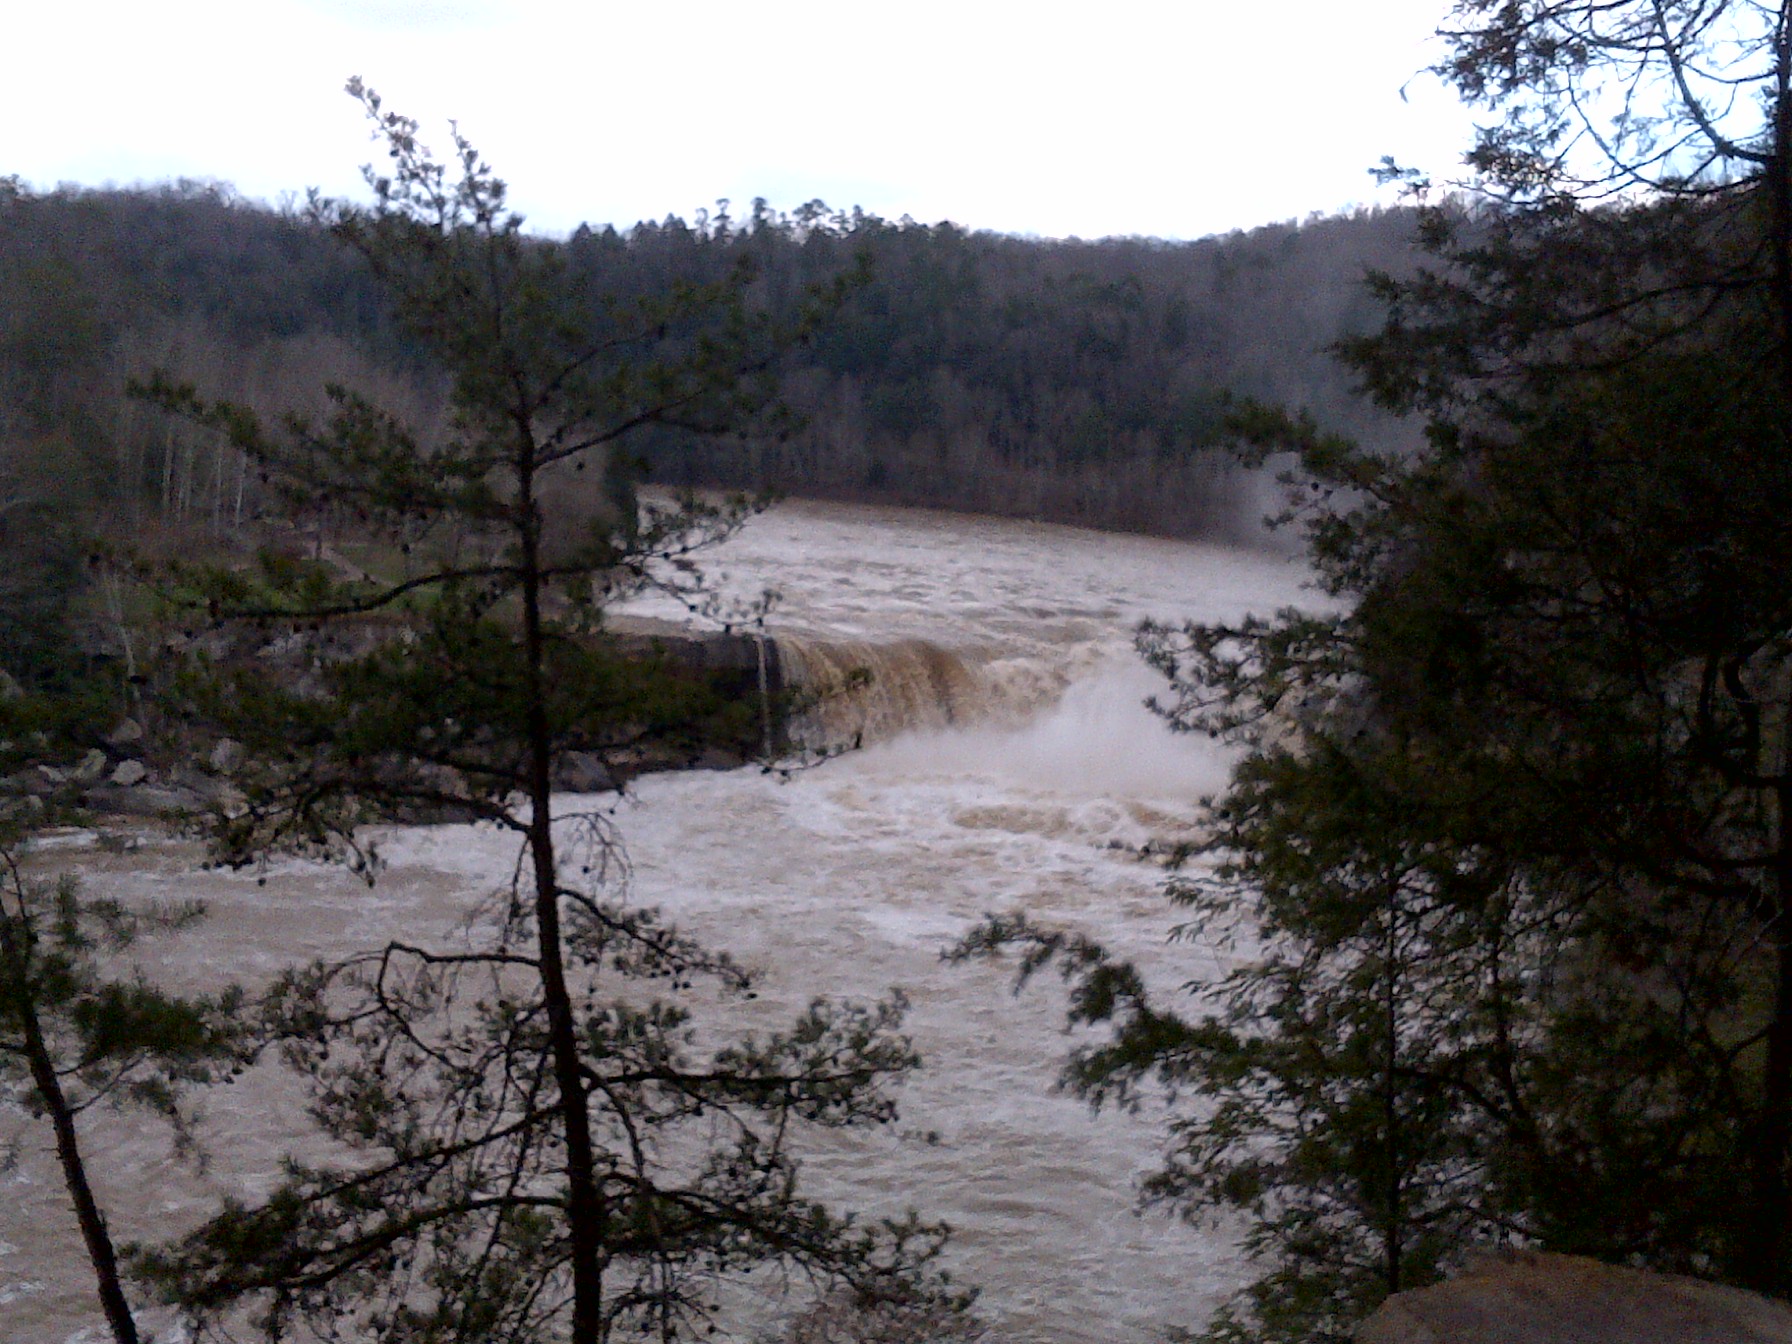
(855, 691)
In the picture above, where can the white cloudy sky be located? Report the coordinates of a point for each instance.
(1176, 118)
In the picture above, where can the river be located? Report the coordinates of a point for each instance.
(1009, 764)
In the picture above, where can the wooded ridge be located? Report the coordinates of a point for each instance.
(1072, 381)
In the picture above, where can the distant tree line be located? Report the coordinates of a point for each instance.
(1073, 381)
(1081, 382)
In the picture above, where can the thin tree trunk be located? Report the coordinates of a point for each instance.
(168, 474)
(1764, 1254)
(114, 592)
(584, 1205)
(218, 487)
(1769, 1236)
(100, 1250)
(1392, 1229)
(189, 468)
(1779, 183)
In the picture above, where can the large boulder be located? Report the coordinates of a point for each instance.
(1530, 1297)
(127, 734)
(583, 772)
(140, 800)
(91, 768)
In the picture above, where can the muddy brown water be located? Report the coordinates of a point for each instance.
(1009, 764)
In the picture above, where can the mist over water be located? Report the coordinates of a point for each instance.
(1025, 791)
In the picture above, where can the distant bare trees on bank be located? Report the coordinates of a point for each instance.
(1074, 381)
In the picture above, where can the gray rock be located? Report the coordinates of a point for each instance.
(717, 758)
(142, 800)
(208, 788)
(127, 732)
(226, 755)
(582, 772)
(1530, 1297)
(130, 773)
(91, 768)
(25, 782)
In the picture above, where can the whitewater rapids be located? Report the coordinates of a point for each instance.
(1011, 765)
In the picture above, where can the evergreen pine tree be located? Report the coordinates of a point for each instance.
(547, 1139)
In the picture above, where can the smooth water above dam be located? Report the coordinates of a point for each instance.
(1009, 765)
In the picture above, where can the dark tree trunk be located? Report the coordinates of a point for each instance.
(1393, 1231)
(1779, 184)
(584, 1207)
(100, 1250)
(1769, 1228)
(1764, 1254)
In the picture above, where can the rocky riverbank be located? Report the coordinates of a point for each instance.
(133, 772)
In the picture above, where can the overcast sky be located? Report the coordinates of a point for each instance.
(1176, 119)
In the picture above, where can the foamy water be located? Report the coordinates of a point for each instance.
(843, 880)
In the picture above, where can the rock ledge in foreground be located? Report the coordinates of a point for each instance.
(1530, 1297)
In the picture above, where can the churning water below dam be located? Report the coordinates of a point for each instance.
(1009, 765)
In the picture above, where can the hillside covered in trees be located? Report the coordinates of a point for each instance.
(1072, 381)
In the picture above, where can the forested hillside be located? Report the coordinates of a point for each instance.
(1080, 382)
(1075, 381)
